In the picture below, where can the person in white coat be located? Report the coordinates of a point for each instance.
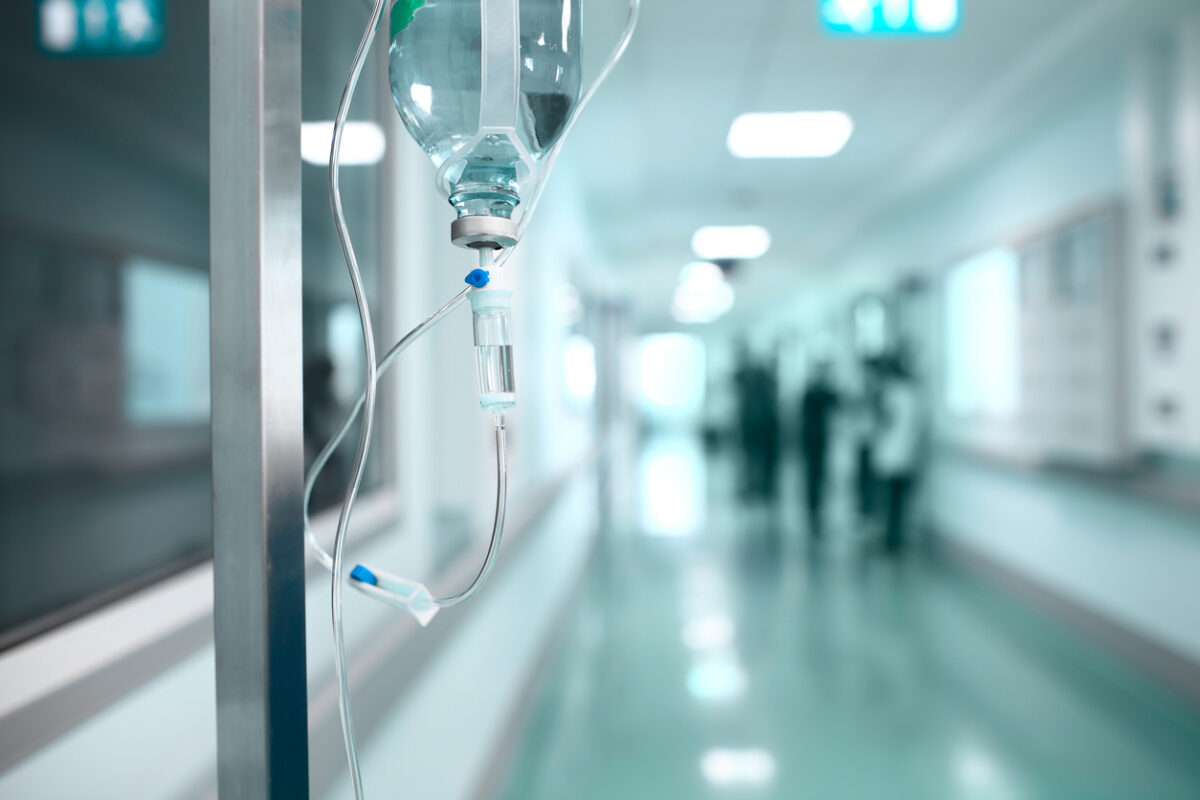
(897, 448)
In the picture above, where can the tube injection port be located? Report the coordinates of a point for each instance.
(492, 311)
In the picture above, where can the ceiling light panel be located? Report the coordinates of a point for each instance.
(362, 143)
(738, 242)
(795, 134)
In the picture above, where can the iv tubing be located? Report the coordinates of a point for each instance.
(314, 471)
(368, 417)
(489, 560)
(487, 259)
(326, 453)
(485, 569)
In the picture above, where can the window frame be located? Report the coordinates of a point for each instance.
(62, 675)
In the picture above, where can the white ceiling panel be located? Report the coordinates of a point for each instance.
(650, 156)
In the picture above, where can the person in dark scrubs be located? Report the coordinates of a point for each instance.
(817, 407)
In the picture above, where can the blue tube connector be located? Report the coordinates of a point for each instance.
(478, 278)
(364, 575)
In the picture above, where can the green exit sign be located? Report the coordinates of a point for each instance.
(890, 17)
(99, 27)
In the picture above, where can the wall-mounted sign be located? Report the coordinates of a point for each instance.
(890, 17)
(100, 27)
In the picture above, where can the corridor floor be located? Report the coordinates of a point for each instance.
(724, 657)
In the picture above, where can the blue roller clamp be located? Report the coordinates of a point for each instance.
(364, 575)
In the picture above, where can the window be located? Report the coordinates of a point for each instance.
(104, 312)
(333, 350)
(104, 470)
(164, 344)
(982, 336)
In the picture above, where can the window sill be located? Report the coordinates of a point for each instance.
(55, 681)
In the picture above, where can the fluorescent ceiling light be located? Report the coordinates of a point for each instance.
(701, 272)
(362, 143)
(703, 294)
(691, 309)
(796, 134)
(729, 768)
(731, 242)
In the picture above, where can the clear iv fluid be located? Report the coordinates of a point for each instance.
(497, 386)
(435, 66)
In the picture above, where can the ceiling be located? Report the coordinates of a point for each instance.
(647, 163)
(650, 162)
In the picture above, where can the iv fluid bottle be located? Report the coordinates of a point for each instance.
(491, 315)
(441, 51)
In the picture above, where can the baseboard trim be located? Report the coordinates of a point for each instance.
(1172, 668)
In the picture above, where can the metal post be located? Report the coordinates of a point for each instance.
(257, 433)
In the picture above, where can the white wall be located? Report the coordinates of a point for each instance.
(1123, 559)
(1113, 555)
(1071, 160)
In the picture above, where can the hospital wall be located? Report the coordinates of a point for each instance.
(1101, 552)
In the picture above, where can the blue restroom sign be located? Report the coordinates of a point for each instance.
(890, 17)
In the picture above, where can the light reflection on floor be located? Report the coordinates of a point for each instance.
(720, 656)
(673, 487)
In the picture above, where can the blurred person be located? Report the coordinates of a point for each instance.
(768, 430)
(758, 420)
(897, 447)
(817, 406)
(864, 421)
(720, 413)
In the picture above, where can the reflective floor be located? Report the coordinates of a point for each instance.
(713, 653)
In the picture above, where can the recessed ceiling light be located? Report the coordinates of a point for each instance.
(701, 302)
(718, 242)
(728, 768)
(795, 134)
(702, 295)
(701, 272)
(362, 143)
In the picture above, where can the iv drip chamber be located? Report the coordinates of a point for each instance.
(491, 311)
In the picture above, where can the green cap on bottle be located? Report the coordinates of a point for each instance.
(402, 14)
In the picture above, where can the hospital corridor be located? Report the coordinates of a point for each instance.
(737, 660)
(581, 400)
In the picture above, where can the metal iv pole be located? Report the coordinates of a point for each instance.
(257, 429)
